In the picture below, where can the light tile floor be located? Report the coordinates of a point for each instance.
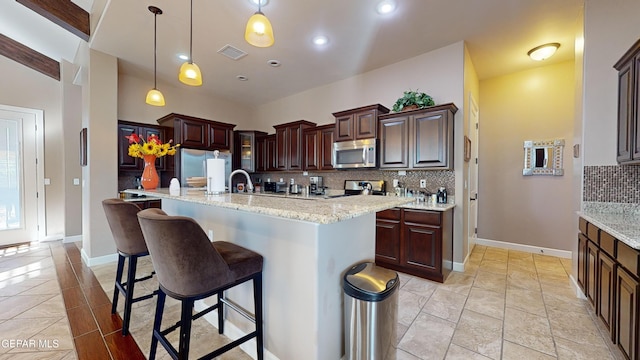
(506, 305)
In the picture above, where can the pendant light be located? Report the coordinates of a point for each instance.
(190, 72)
(154, 96)
(259, 31)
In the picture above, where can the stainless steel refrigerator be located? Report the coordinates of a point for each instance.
(194, 163)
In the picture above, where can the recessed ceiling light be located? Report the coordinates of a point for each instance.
(542, 52)
(183, 57)
(242, 78)
(386, 6)
(255, 2)
(274, 63)
(320, 40)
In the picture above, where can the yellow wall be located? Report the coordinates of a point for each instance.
(536, 104)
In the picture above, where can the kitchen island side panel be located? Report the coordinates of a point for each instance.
(303, 267)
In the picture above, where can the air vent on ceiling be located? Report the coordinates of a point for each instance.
(232, 52)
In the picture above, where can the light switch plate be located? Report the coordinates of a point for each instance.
(423, 183)
(76, 181)
(47, 181)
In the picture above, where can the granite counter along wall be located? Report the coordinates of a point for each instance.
(615, 184)
(335, 179)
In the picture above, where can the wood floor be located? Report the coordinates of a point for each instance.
(96, 332)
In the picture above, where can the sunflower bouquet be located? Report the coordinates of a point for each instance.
(138, 147)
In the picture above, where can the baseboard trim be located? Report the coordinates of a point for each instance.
(233, 332)
(105, 259)
(576, 288)
(525, 248)
(54, 237)
(71, 239)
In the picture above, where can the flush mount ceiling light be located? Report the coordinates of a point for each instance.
(154, 96)
(190, 72)
(259, 32)
(542, 52)
(320, 40)
(386, 6)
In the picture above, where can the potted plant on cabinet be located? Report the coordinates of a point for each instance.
(413, 100)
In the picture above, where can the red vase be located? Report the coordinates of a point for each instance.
(150, 177)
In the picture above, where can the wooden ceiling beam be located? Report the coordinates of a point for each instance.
(64, 13)
(29, 57)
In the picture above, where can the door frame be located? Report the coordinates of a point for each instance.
(474, 136)
(41, 213)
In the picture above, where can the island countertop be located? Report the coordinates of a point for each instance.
(313, 209)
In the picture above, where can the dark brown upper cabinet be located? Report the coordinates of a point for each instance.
(126, 128)
(318, 146)
(418, 139)
(246, 150)
(359, 123)
(196, 133)
(628, 67)
(289, 144)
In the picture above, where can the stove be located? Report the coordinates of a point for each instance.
(354, 187)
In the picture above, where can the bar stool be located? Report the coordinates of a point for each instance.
(123, 221)
(191, 267)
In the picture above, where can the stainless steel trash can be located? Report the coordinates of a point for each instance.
(371, 312)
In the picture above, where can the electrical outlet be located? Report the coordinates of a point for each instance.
(423, 183)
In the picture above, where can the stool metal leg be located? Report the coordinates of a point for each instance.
(220, 313)
(257, 296)
(116, 291)
(128, 300)
(157, 322)
(185, 329)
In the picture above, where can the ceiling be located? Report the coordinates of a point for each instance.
(498, 34)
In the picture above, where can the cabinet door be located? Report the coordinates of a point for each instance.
(626, 320)
(126, 162)
(281, 148)
(245, 152)
(326, 148)
(625, 111)
(366, 124)
(261, 154)
(422, 247)
(345, 128)
(311, 146)
(433, 135)
(394, 142)
(148, 131)
(606, 281)
(193, 134)
(295, 149)
(582, 258)
(592, 274)
(635, 120)
(219, 137)
(388, 241)
(271, 153)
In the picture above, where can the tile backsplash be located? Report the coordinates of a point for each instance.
(618, 184)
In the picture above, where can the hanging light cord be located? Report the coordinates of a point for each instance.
(191, 35)
(155, 49)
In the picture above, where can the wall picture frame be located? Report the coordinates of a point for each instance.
(467, 148)
(83, 147)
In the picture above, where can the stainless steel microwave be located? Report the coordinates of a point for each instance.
(355, 154)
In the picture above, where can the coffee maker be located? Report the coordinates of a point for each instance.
(316, 185)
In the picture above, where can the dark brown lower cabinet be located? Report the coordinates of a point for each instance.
(416, 242)
(146, 204)
(592, 274)
(627, 313)
(582, 256)
(606, 291)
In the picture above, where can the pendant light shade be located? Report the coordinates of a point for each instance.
(154, 96)
(190, 72)
(259, 31)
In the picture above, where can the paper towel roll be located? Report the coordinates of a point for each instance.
(215, 175)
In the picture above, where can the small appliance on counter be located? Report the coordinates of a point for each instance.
(275, 186)
(316, 186)
(368, 187)
(441, 195)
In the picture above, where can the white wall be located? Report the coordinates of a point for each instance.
(536, 104)
(611, 27)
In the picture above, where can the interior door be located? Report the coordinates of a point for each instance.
(18, 177)
(474, 119)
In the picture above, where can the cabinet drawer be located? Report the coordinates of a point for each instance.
(390, 214)
(593, 233)
(628, 258)
(607, 243)
(582, 225)
(422, 217)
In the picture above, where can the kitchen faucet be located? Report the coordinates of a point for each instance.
(249, 183)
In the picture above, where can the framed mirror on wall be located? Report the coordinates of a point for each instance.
(543, 157)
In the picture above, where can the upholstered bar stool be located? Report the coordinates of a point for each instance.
(191, 267)
(123, 221)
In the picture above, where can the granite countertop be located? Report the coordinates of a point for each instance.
(619, 220)
(297, 207)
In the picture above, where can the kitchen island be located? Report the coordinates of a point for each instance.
(307, 244)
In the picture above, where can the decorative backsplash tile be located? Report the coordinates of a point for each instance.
(618, 184)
